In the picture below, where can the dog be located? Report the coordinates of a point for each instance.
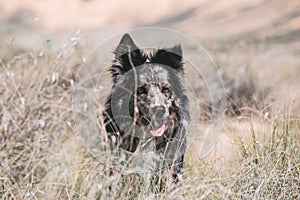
(148, 103)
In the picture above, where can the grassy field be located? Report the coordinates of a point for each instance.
(256, 156)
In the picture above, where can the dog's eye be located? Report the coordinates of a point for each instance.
(141, 90)
(166, 91)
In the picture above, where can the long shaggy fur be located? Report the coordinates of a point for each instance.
(148, 101)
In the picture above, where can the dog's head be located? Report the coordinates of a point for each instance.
(155, 83)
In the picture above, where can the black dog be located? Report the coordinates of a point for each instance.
(148, 101)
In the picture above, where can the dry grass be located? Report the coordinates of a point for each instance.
(41, 158)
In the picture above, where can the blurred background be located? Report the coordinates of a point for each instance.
(261, 35)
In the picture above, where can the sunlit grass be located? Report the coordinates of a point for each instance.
(41, 157)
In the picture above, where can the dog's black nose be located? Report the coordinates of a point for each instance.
(158, 111)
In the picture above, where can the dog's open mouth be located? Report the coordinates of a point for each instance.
(159, 131)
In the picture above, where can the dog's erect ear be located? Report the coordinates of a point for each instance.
(128, 54)
(169, 56)
(126, 45)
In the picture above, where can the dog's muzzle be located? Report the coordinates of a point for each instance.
(158, 117)
(158, 112)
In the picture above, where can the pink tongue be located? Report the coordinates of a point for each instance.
(159, 132)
